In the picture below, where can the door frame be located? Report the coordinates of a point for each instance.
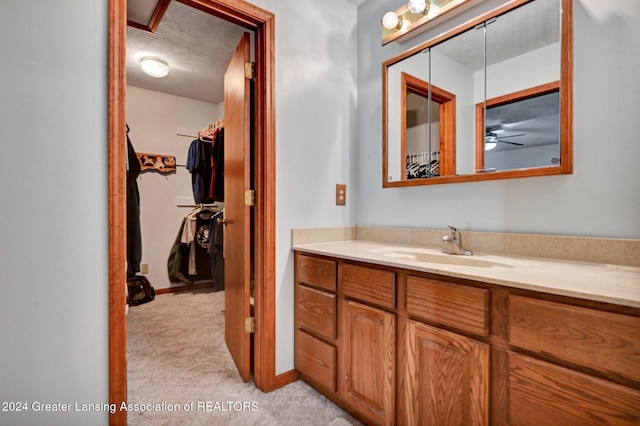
(262, 23)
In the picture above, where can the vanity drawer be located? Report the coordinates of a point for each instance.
(316, 272)
(316, 310)
(465, 308)
(603, 341)
(541, 393)
(369, 285)
(315, 359)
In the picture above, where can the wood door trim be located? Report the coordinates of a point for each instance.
(156, 17)
(117, 201)
(263, 24)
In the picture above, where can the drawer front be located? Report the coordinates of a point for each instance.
(316, 310)
(316, 272)
(315, 359)
(465, 308)
(603, 341)
(545, 394)
(369, 285)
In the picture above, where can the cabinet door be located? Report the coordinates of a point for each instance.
(446, 378)
(368, 361)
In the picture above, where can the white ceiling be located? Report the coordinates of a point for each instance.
(196, 45)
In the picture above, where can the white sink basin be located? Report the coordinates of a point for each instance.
(433, 256)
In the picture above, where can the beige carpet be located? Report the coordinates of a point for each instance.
(181, 373)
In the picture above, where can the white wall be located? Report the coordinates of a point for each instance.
(53, 115)
(53, 245)
(155, 119)
(315, 133)
(601, 197)
(53, 231)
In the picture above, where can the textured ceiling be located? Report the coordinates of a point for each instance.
(530, 27)
(197, 46)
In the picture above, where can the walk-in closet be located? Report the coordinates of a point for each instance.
(176, 128)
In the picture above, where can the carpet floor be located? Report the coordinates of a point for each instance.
(180, 372)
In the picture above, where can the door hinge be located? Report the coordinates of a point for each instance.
(250, 325)
(249, 197)
(249, 68)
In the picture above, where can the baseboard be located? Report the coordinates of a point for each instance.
(183, 288)
(286, 378)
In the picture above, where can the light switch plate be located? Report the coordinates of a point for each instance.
(341, 194)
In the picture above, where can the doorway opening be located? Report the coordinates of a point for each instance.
(262, 24)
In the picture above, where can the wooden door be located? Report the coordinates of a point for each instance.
(237, 232)
(368, 363)
(446, 378)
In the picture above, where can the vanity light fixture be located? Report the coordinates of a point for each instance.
(417, 14)
(154, 67)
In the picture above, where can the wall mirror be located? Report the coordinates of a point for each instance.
(490, 99)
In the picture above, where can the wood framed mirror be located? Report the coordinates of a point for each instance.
(507, 72)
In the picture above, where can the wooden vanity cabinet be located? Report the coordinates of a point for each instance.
(369, 361)
(572, 364)
(315, 312)
(445, 374)
(394, 346)
(368, 332)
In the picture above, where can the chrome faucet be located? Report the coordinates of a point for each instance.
(453, 243)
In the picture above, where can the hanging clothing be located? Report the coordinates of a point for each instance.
(134, 237)
(216, 239)
(199, 165)
(189, 257)
(195, 234)
(216, 189)
(177, 263)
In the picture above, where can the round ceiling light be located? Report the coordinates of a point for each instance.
(154, 67)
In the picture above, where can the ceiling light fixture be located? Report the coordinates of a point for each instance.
(154, 67)
(490, 142)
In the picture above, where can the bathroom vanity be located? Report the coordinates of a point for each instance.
(406, 335)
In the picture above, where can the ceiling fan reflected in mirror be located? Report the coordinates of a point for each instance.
(491, 139)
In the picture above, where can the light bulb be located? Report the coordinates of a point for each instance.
(390, 20)
(417, 6)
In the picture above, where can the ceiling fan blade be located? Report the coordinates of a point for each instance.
(512, 143)
(511, 136)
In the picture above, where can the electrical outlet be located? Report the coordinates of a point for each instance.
(144, 268)
(341, 194)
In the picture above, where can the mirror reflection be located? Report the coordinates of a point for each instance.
(428, 128)
(521, 131)
(507, 63)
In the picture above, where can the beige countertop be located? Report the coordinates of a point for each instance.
(591, 281)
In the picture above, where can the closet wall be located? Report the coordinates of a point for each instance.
(155, 119)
